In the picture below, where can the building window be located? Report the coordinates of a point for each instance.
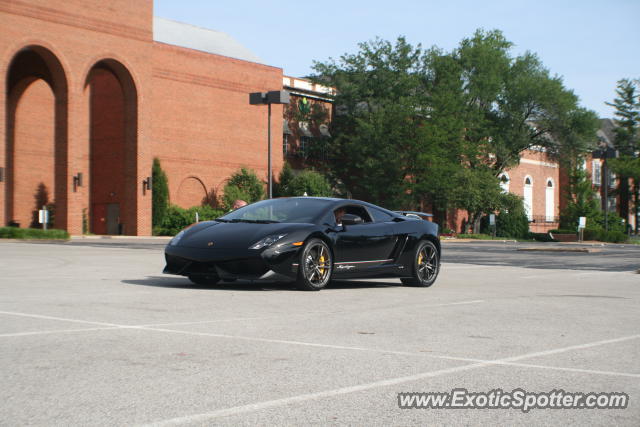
(550, 205)
(595, 176)
(504, 182)
(305, 145)
(528, 197)
(285, 145)
(612, 180)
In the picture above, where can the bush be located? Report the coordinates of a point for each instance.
(159, 194)
(177, 218)
(512, 220)
(32, 233)
(243, 185)
(599, 234)
(281, 188)
(310, 182)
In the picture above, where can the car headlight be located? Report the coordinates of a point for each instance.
(267, 241)
(177, 238)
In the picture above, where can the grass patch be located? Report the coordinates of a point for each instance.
(32, 233)
(479, 237)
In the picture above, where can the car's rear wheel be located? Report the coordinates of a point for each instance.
(204, 280)
(426, 265)
(314, 271)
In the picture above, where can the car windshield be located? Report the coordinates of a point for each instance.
(278, 210)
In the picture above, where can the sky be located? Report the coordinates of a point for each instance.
(590, 44)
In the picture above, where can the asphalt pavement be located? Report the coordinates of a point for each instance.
(91, 333)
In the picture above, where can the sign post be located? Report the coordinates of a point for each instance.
(492, 224)
(43, 217)
(582, 224)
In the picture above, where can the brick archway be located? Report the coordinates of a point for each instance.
(113, 149)
(36, 137)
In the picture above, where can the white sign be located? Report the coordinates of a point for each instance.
(43, 216)
(492, 219)
(582, 222)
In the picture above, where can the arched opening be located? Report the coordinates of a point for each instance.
(528, 197)
(113, 149)
(550, 206)
(36, 139)
(504, 181)
(192, 192)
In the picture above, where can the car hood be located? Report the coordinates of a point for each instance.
(240, 235)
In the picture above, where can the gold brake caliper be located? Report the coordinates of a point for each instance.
(420, 258)
(322, 264)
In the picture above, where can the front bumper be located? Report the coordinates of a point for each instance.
(269, 264)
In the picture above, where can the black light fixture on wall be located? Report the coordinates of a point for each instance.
(77, 181)
(1, 174)
(146, 184)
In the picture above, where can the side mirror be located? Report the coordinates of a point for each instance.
(350, 219)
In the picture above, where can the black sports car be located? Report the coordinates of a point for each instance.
(309, 240)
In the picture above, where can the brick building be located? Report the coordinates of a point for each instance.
(94, 90)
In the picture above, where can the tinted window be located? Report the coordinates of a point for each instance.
(358, 210)
(380, 216)
(280, 210)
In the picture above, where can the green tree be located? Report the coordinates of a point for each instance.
(281, 187)
(514, 104)
(581, 201)
(376, 120)
(627, 134)
(512, 219)
(478, 192)
(310, 182)
(159, 194)
(243, 185)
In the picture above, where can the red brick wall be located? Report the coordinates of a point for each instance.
(539, 167)
(203, 128)
(77, 34)
(33, 152)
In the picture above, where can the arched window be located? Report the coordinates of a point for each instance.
(504, 181)
(550, 206)
(528, 197)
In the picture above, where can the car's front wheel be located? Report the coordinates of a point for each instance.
(314, 271)
(426, 265)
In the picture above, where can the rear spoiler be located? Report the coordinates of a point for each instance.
(413, 214)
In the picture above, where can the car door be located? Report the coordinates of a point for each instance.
(360, 246)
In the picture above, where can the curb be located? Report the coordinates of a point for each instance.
(82, 237)
(582, 250)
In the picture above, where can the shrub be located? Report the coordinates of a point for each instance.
(512, 220)
(243, 185)
(177, 218)
(32, 233)
(613, 236)
(281, 188)
(311, 182)
(159, 194)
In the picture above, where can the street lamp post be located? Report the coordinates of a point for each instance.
(604, 153)
(272, 97)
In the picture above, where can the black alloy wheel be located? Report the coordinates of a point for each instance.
(314, 271)
(426, 265)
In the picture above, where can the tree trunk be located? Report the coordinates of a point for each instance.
(624, 198)
(476, 224)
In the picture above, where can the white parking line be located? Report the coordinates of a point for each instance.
(243, 409)
(63, 319)
(57, 331)
(154, 325)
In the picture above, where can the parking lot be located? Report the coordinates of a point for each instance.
(92, 333)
